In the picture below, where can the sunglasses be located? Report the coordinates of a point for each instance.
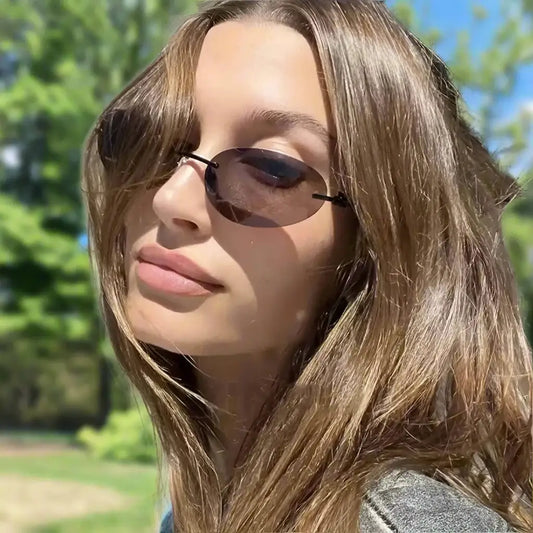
(249, 186)
(263, 188)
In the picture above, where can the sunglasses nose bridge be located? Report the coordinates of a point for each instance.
(187, 182)
(208, 173)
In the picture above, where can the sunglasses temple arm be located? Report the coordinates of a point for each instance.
(339, 200)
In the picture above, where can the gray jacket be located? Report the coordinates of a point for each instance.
(410, 502)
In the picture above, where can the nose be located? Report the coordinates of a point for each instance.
(181, 203)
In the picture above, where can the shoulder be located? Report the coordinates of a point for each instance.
(411, 502)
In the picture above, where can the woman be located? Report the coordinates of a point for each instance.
(298, 248)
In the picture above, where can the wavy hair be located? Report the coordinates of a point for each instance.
(421, 362)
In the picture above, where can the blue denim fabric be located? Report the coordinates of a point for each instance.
(166, 522)
(410, 502)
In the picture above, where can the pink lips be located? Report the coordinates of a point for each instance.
(173, 272)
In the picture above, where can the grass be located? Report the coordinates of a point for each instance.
(36, 437)
(135, 481)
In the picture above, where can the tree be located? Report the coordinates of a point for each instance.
(60, 63)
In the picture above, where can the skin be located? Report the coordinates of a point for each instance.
(275, 280)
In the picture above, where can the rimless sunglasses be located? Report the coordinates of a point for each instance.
(249, 186)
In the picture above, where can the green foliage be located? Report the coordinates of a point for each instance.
(518, 231)
(40, 260)
(127, 437)
(479, 12)
(403, 9)
(60, 64)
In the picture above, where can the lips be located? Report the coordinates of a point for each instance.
(178, 263)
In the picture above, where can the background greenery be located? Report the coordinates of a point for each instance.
(61, 61)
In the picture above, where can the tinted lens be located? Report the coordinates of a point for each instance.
(128, 137)
(263, 188)
(114, 136)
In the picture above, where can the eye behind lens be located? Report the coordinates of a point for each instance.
(272, 180)
(274, 168)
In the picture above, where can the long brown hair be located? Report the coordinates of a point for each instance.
(420, 363)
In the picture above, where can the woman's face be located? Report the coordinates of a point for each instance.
(274, 280)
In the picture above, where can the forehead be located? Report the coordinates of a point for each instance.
(249, 64)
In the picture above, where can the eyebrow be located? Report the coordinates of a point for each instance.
(286, 120)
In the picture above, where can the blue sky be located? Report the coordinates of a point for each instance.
(452, 16)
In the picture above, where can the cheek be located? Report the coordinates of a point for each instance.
(288, 273)
(138, 220)
(287, 258)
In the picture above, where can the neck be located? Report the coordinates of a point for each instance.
(238, 386)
